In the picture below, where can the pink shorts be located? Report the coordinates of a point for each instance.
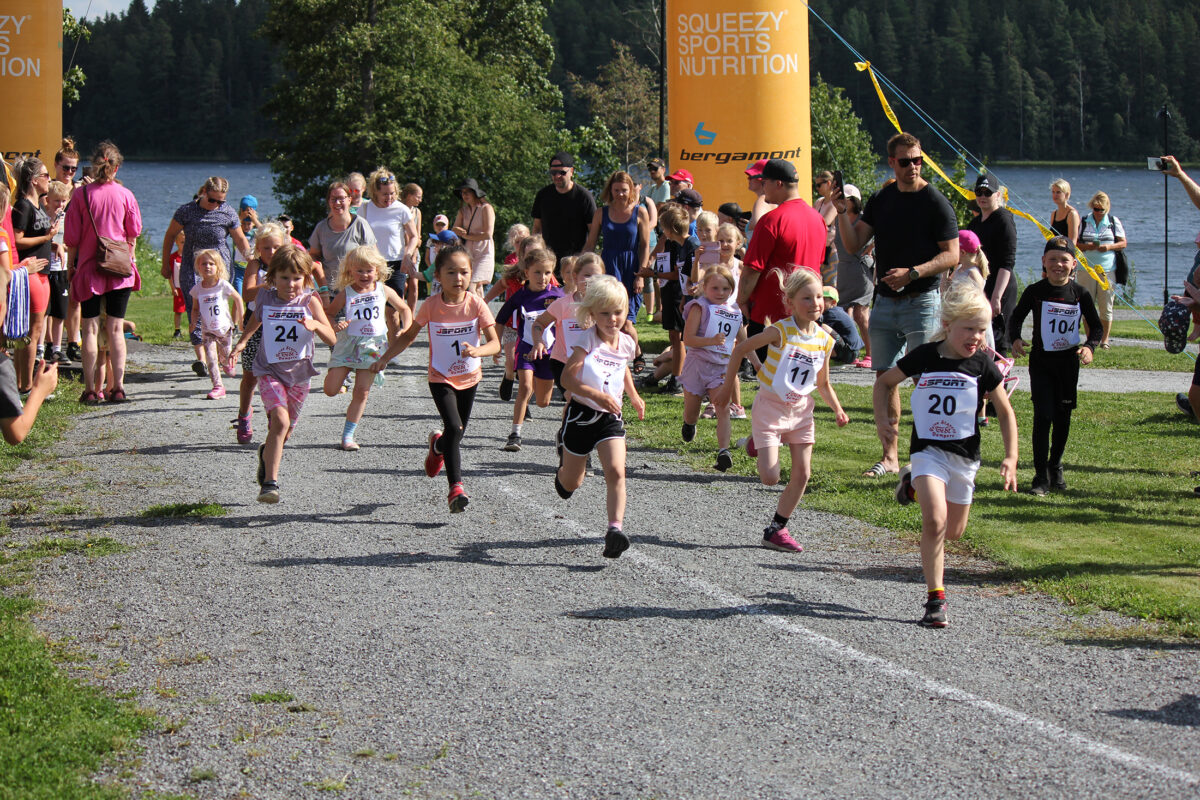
(775, 422)
(275, 395)
(699, 375)
(39, 293)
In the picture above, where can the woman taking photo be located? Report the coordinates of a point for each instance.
(102, 208)
(1101, 235)
(475, 224)
(623, 225)
(1064, 219)
(392, 223)
(34, 234)
(335, 236)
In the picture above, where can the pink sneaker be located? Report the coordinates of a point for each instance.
(781, 540)
(227, 368)
(217, 393)
(748, 443)
(864, 362)
(245, 433)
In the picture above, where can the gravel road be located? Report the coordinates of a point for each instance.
(495, 654)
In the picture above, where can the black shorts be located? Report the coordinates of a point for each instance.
(398, 280)
(557, 368)
(1054, 385)
(60, 288)
(672, 307)
(1196, 374)
(116, 303)
(585, 427)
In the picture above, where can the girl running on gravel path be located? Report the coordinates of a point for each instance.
(597, 376)
(711, 325)
(289, 312)
(458, 320)
(211, 295)
(363, 334)
(267, 240)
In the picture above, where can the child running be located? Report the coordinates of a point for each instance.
(535, 377)
(596, 375)
(955, 375)
(270, 237)
(511, 281)
(1058, 305)
(363, 334)
(563, 315)
(289, 311)
(210, 305)
(797, 362)
(457, 320)
(711, 325)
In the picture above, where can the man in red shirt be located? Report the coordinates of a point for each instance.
(791, 235)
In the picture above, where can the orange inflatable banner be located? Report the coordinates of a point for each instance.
(30, 78)
(737, 92)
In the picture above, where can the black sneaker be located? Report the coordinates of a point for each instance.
(746, 373)
(198, 368)
(513, 445)
(269, 492)
(1184, 404)
(724, 460)
(688, 432)
(1057, 482)
(261, 476)
(935, 615)
(1040, 486)
(672, 386)
(648, 382)
(74, 353)
(506, 386)
(178, 334)
(615, 542)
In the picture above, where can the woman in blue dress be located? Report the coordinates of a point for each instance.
(622, 225)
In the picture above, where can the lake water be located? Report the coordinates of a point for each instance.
(1136, 194)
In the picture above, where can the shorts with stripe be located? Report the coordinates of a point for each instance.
(585, 427)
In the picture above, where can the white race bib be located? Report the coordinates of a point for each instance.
(796, 373)
(604, 371)
(446, 340)
(214, 310)
(572, 333)
(284, 336)
(1060, 326)
(943, 406)
(662, 264)
(364, 312)
(723, 322)
(527, 320)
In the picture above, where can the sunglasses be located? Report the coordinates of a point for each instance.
(68, 170)
(908, 162)
(385, 180)
(558, 173)
(984, 193)
(213, 200)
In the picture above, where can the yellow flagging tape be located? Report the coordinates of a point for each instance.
(1096, 272)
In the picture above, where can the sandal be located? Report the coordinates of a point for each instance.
(89, 398)
(116, 396)
(878, 470)
(639, 365)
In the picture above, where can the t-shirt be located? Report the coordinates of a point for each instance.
(1058, 314)
(206, 229)
(335, 245)
(659, 194)
(1106, 231)
(604, 367)
(947, 398)
(567, 330)
(565, 218)
(388, 226)
(10, 396)
(32, 221)
(908, 227)
(522, 309)
(214, 306)
(791, 233)
(998, 238)
(680, 257)
(450, 327)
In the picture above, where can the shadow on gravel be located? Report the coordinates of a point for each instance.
(780, 605)
(1133, 643)
(1184, 711)
(897, 574)
(360, 514)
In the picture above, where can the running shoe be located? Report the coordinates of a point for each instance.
(1184, 404)
(457, 499)
(349, 445)
(261, 475)
(1040, 486)
(935, 615)
(710, 412)
(748, 443)
(724, 460)
(434, 460)
(217, 393)
(781, 540)
(615, 542)
(688, 432)
(513, 445)
(506, 387)
(198, 368)
(648, 382)
(672, 386)
(736, 411)
(178, 334)
(269, 492)
(245, 433)
(746, 373)
(905, 493)
(1057, 482)
(74, 353)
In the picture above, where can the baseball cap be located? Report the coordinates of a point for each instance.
(563, 159)
(831, 293)
(681, 175)
(968, 242)
(987, 181)
(850, 190)
(755, 169)
(249, 201)
(442, 218)
(689, 197)
(779, 170)
(1060, 243)
(656, 162)
(446, 237)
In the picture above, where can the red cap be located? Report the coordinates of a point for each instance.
(755, 170)
(681, 175)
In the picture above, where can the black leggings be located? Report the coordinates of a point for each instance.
(1048, 446)
(454, 406)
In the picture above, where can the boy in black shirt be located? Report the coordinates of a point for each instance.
(1058, 305)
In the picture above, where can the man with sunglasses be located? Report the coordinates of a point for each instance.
(916, 240)
(997, 232)
(658, 189)
(563, 211)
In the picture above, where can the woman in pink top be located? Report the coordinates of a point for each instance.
(117, 216)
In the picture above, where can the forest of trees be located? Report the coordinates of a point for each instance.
(1010, 79)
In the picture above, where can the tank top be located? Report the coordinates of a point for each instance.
(791, 368)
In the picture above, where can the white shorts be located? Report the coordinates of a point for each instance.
(951, 469)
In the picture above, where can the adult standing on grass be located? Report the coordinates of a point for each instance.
(856, 277)
(563, 211)
(1189, 403)
(997, 234)
(411, 196)
(34, 233)
(207, 223)
(392, 223)
(475, 225)
(824, 206)
(103, 208)
(1064, 219)
(916, 240)
(1101, 235)
(624, 224)
(66, 169)
(335, 236)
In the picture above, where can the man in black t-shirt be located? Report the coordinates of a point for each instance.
(916, 240)
(563, 211)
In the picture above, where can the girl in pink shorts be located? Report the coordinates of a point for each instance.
(711, 324)
(797, 362)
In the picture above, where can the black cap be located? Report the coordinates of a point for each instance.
(987, 181)
(1060, 243)
(564, 159)
(779, 170)
(689, 197)
(656, 162)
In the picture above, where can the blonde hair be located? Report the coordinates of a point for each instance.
(517, 268)
(1062, 184)
(364, 254)
(604, 292)
(718, 271)
(1102, 198)
(379, 174)
(964, 300)
(800, 279)
(59, 190)
(357, 176)
(215, 184)
(588, 259)
(708, 219)
(978, 259)
(268, 230)
(213, 255)
(514, 236)
(567, 267)
(290, 258)
(729, 227)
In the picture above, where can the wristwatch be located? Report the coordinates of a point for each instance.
(913, 275)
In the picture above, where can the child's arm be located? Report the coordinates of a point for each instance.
(879, 400)
(829, 395)
(572, 383)
(196, 307)
(399, 344)
(399, 314)
(770, 336)
(639, 405)
(318, 323)
(539, 331)
(1008, 431)
(15, 429)
(691, 331)
(496, 290)
(254, 324)
(239, 307)
(490, 347)
(250, 284)
(1017, 321)
(333, 307)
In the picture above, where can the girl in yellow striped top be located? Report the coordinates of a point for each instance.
(797, 362)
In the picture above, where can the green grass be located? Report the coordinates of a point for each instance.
(1121, 538)
(178, 510)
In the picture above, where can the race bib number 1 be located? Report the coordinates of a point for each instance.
(446, 340)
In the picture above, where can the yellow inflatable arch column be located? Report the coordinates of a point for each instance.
(737, 91)
(30, 78)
